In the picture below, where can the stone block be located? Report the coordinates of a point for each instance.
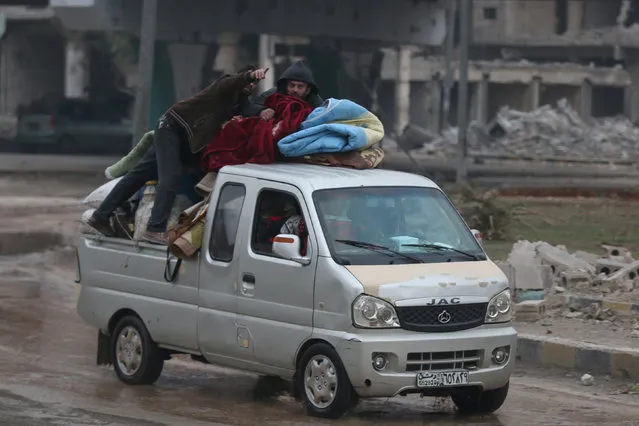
(530, 310)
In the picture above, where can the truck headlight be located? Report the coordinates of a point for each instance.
(500, 308)
(371, 312)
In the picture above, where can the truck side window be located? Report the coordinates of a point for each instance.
(226, 222)
(276, 213)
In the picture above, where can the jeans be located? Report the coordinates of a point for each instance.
(165, 162)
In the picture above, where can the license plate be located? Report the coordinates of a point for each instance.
(439, 379)
(33, 126)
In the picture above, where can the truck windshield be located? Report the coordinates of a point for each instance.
(394, 225)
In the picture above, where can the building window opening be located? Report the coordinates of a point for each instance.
(490, 13)
(561, 16)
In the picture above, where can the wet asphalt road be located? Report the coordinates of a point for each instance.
(49, 377)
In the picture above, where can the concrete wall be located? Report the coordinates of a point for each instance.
(532, 17)
(489, 19)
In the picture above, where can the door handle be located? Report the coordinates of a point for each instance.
(248, 284)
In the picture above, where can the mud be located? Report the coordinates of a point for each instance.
(49, 376)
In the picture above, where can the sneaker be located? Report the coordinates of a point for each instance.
(102, 226)
(158, 238)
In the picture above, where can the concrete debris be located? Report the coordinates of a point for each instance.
(621, 254)
(530, 310)
(608, 266)
(587, 380)
(634, 334)
(539, 267)
(545, 132)
(561, 261)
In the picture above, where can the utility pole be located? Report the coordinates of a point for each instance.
(462, 99)
(145, 69)
(451, 11)
(265, 54)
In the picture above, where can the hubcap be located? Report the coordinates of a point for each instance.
(128, 350)
(320, 381)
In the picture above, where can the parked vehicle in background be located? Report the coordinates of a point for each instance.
(74, 126)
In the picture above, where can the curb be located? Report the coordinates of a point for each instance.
(585, 357)
(619, 307)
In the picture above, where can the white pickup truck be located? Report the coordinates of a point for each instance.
(348, 283)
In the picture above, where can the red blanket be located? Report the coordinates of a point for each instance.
(253, 140)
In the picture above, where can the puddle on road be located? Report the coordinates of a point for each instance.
(16, 243)
(25, 258)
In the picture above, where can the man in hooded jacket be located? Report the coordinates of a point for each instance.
(297, 81)
(180, 136)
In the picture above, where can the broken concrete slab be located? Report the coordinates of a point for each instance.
(561, 261)
(608, 266)
(628, 272)
(590, 258)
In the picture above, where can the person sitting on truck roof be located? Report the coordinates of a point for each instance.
(180, 135)
(297, 81)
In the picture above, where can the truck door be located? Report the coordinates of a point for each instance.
(217, 331)
(275, 297)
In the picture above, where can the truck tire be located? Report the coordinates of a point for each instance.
(323, 384)
(137, 360)
(474, 401)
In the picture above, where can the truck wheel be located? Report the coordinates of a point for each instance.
(323, 383)
(474, 401)
(136, 358)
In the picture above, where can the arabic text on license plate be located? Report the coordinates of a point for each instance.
(438, 379)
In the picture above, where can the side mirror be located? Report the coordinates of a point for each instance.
(478, 236)
(287, 246)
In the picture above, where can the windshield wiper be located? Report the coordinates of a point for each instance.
(379, 249)
(445, 247)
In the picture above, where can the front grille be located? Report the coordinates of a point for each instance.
(429, 318)
(437, 361)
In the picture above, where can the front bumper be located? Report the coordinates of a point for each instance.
(357, 349)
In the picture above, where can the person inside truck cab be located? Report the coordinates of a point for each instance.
(275, 213)
(338, 212)
(181, 134)
(296, 81)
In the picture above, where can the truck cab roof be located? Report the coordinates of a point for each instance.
(311, 177)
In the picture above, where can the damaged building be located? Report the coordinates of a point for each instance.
(526, 54)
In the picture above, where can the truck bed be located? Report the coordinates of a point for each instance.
(127, 274)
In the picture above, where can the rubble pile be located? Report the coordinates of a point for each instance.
(546, 132)
(559, 271)
(572, 285)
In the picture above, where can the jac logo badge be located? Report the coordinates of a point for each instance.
(444, 301)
